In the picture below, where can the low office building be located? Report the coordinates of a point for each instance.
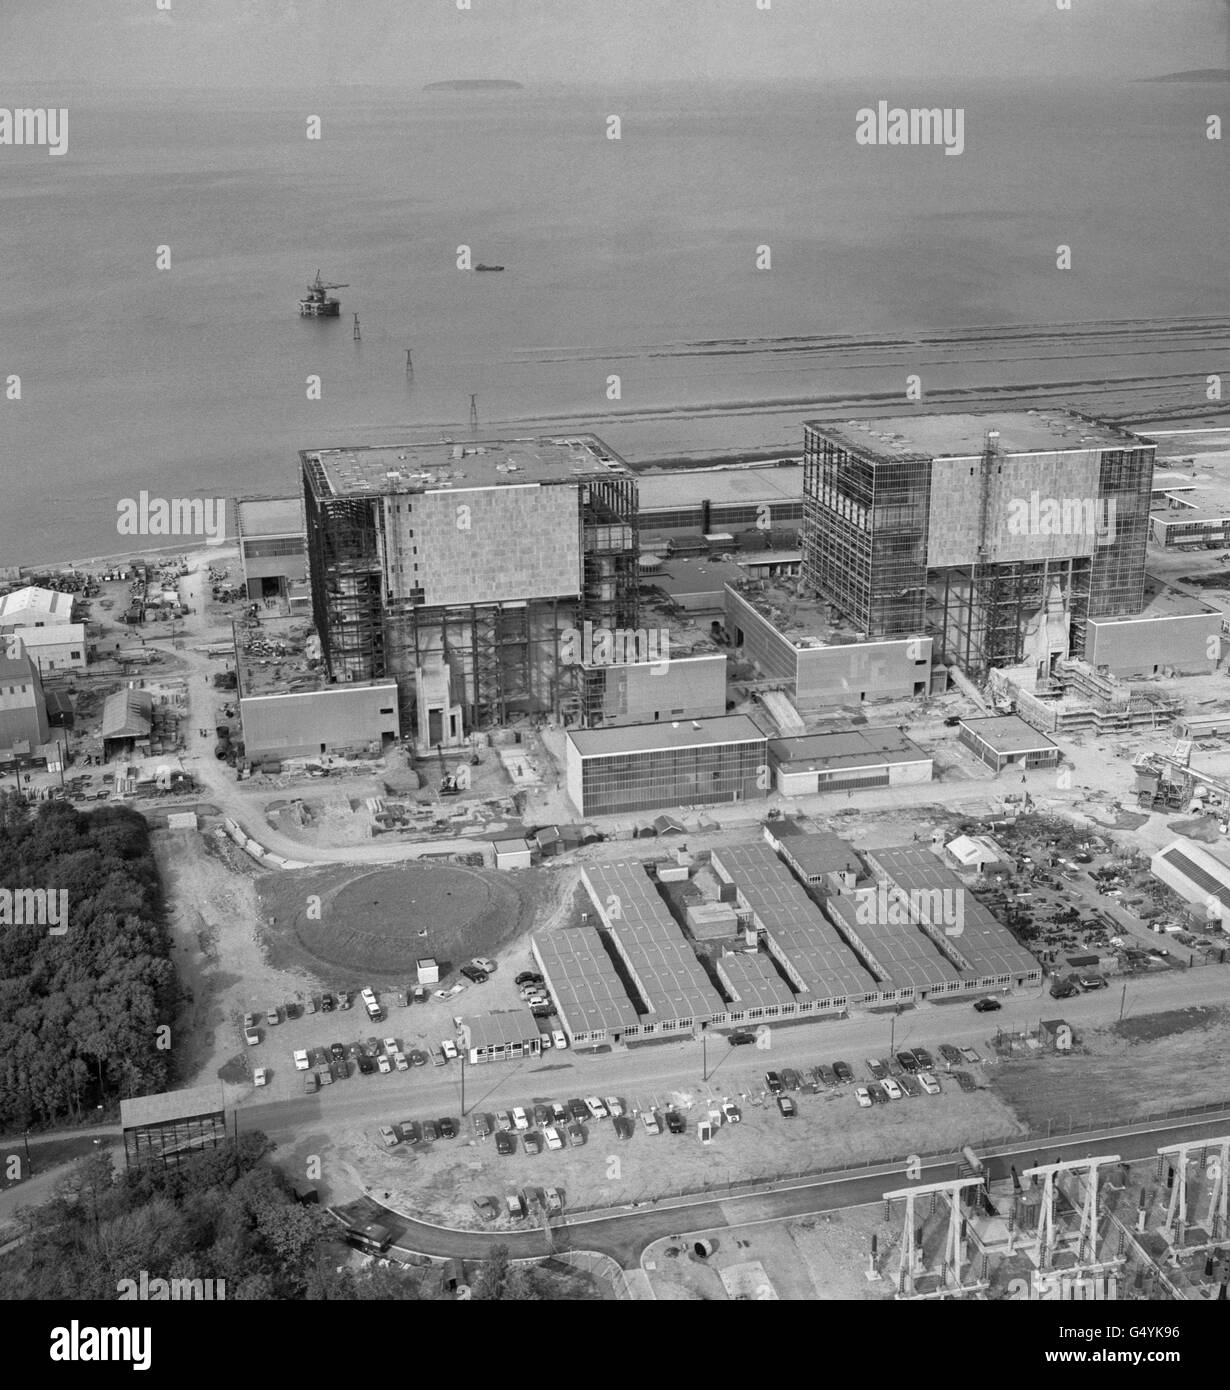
(646, 766)
(813, 763)
(788, 636)
(593, 1004)
(501, 1036)
(1006, 741)
(1198, 876)
(813, 855)
(513, 854)
(1188, 518)
(755, 989)
(58, 647)
(173, 1126)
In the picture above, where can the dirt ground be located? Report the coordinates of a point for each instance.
(1161, 1062)
(438, 1181)
(812, 1258)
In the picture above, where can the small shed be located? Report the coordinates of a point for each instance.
(428, 971)
(1051, 1031)
(513, 854)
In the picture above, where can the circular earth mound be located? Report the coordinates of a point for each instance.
(382, 922)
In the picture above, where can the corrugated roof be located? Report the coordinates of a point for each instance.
(583, 981)
(127, 714)
(752, 980)
(502, 1028)
(171, 1105)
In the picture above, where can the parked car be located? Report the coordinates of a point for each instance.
(791, 1080)
(343, 999)
(1091, 981)
(301, 1060)
(390, 1139)
(532, 1142)
(552, 1136)
(438, 1059)
(877, 1093)
(503, 1121)
(577, 1109)
(1064, 989)
(449, 1049)
(474, 975)
(417, 1058)
(272, 1018)
(928, 1083)
(327, 1003)
(401, 1061)
(339, 1071)
(251, 1037)
(520, 1119)
(649, 1119)
(544, 1011)
(447, 1128)
(559, 1113)
(924, 1059)
(451, 993)
(249, 1020)
(987, 1006)
(624, 1128)
(732, 1112)
(515, 1206)
(949, 1053)
(614, 1105)
(787, 1107)
(368, 996)
(527, 977)
(260, 1077)
(431, 1131)
(577, 1135)
(877, 1069)
(505, 1144)
(481, 1124)
(969, 1055)
(390, 1045)
(559, 1037)
(485, 964)
(965, 1081)
(555, 1203)
(291, 1010)
(542, 1114)
(844, 1072)
(863, 1096)
(907, 1061)
(774, 1083)
(675, 1122)
(337, 1051)
(486, 1207)
(326, 1077)
(909, 1084)
(826, 1076)
(740, 1037)
(891, 1089)
(384, 1065)
(311, 1083)
(597, 1110)
(367, 1065)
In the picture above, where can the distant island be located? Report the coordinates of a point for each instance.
(1194, 75)
(475, 84)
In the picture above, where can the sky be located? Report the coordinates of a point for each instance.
(285, 43)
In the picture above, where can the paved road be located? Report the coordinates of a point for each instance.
(626, 1235)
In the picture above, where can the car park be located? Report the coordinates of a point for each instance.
(417, 1058)
(624, 1128)
(740, 1037)
(578, 1110)
(559, 1037)
(928, 1082)
(532, 1142)
(675, 1122)
(597, 1110)
(774, 1083)
(949, 1053)
(844, 1072)
(260, 1077)
(554, 1202)
(390, 1139)
(965, 1081)
(449, 1049)
(447, 1128)
(877, 1069)
(863, 1096)
(520, 1119)
(987, 1006)
(651, 1122)
(924, 1059)
(384, 1065)
(481, 1124)
(251, 1037)
(311, 1083)
(552, 1136)
(906, 1060)
(791, 1079)
(787, 1107)
(505, 1144)
(909, 1084)
(577, 1135)
(891, 1089)
(731, 1112)
(487, 1208)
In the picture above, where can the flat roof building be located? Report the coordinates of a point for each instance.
(650, 766)
(273, 547)
(875, 757)
(1006, 740)
(765, 500)
(998, 533)
(171, 1126)
(501, 1036)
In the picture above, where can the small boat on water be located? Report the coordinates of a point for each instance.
(317, 304)
(480, 266)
